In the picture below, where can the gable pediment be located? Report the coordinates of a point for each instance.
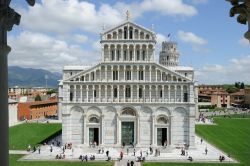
(129, 26)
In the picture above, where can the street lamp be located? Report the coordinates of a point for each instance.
(242, 8)
(8, 18)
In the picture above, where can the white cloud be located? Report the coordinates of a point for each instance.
(244, 42)
(190, 37)
(235, 70)
(198, 43)
(38, 50)
(69, 15)
(168, 7)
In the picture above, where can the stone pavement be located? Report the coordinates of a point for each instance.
(169, 154)
(124, 163)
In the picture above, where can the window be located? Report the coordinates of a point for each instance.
(112, 55)
(160, 93)
(82, 78)
(115, 75)
(131, 55)
(118, 55)
(140, 75)
(128, 75)
(140, 92)
(130, 33)
(115, 92)
(138, 55)
(125, 32)
(93, 76)
(143, 55)
(71, 73)
(71, 96)
(185, 97)
(185, 74)
(94, 93)
(128, 92)
(125, 55)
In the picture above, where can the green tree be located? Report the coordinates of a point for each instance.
(242, 85)
(38, 98)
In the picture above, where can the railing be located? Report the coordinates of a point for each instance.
(127, 100)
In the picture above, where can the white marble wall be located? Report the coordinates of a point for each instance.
(180, 124)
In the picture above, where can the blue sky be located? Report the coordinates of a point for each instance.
(61, 32)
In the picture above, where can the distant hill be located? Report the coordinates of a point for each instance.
(29, 77)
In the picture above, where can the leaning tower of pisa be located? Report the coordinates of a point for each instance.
(169, 55)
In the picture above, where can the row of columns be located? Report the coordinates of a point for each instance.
(128, 33)
(148, 57)
(93, 91)
(138, 68)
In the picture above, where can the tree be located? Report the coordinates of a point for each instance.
(38, 98)
(242, 85)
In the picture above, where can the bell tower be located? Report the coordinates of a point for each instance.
(169, 55)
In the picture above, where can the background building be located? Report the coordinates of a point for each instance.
(37, 109)
(12, 112)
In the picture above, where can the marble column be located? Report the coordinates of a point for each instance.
(117, 130)
(81, 93)
(102, 129)
(87, 89)
(153, 130)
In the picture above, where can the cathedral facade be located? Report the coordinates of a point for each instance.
(128, 98)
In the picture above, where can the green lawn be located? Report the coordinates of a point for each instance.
(13, 162)
(30, 133)
(230, 135)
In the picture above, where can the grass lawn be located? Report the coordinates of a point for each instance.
(30, 133)
(13, 162)
(230, 135)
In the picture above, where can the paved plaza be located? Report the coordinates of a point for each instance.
(168, 154)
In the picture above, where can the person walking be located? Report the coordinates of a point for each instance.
(134, 151)
(201, 140)
(128, 163)
(121, 155)
(107, 153)
(132, 163)
(39, 150)
(127, 150)
(206, 150)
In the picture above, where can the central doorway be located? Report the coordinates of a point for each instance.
(161, 136)
(127, 133)
(94, 135)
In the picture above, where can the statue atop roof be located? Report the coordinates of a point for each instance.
(128, 14)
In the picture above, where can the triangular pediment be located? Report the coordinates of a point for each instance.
(130, 24)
